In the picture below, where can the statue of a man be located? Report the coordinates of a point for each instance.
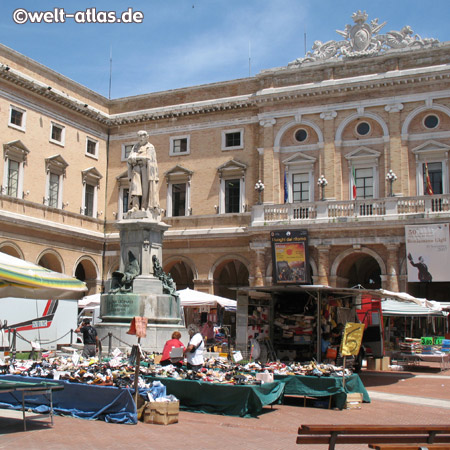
(143, 175)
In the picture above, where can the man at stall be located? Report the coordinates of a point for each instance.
(209, 334)
(90, 338)
(195, 348)
(167, 354)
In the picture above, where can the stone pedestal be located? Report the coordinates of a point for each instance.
(142, 235)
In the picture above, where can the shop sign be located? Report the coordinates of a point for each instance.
(290, 256)
(352, 338)
(428, 252)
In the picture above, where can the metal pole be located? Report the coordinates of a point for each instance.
(319, 333)
(109, 343)
(71, 337)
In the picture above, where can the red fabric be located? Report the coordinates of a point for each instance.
(168, 347)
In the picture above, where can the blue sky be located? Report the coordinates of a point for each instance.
(190, 42)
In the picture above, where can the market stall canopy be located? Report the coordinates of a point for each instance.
(189, 297)
(90, 301)
(19, 278)
(392, 307)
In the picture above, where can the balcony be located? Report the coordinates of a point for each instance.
(389, 208)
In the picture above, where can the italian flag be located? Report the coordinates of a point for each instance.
(353, 183)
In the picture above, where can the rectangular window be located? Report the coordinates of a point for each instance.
(178, 199)
(364, 183)
(13, 178)
(16, 117)
(126, 151)
(53, 190)
(233, 139)
(89, 200)
(232, 196)
(180, 146)
(435, 174)
(300, 187)
(125, 195)
(91, 147)
(57, 134)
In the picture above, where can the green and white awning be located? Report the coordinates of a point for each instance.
(20, 278)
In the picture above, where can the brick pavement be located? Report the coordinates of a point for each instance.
(275, 429)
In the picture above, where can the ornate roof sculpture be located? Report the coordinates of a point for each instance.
(362, 39)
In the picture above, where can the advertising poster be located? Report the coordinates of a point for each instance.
(290, 256)
(428, 252)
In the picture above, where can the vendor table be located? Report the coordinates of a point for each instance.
(332, 387)
(442, 358)
(108, 403)
(27, 389)
(218, 398)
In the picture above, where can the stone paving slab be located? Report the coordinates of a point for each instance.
(275, 429)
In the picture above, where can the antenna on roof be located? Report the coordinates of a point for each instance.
(249, 60)
(304, 36)
(110, 72)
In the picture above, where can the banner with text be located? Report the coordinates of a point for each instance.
(428, 252)
(290, 256)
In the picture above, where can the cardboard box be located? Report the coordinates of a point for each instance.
(379, 363)
(161, 413)
(354, 401)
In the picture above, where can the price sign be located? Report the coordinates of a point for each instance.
(426, 340)
(351, 341)
(438, 340)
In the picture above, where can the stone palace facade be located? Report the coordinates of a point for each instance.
(352, 110)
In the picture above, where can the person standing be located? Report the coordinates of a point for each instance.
(195, 348)
(143, 175)
(90, 338)
(209, 334)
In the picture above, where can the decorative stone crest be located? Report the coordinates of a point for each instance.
(362, 39)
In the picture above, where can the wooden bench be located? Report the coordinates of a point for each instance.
(410, 446)
(373, 434)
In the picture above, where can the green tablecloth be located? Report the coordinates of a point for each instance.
(324, 387)
(216, 398)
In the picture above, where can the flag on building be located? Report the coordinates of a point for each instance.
(428, 187)
(285, 188)
(353, 183)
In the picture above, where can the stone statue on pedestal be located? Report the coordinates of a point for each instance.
(143, 175)
(123, 281)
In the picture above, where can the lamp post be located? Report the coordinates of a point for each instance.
(322, 182)
(391, 177)
(259, 187)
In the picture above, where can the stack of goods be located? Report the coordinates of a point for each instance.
(297, 327)
(411, 346)
(119, 372)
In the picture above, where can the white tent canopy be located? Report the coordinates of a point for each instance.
(189, 297)
(90, 301)
(403, 296)
(391, 307)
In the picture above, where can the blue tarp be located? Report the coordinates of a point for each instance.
(111, 404)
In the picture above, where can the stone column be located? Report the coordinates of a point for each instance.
(330, 165)
(392, 267)
(270, 167)
(396, 156)
(323, 265)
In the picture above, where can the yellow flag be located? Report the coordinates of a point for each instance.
(351, 341)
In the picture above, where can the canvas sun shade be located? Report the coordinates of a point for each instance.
(19, 278)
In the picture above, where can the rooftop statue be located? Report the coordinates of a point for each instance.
(362, 39)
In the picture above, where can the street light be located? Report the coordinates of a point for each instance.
(259, 187)
(391, 177)
(322, 182)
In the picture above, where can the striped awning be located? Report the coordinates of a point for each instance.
(19, 278)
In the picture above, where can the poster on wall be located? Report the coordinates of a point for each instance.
(290, 256)
(428, 252)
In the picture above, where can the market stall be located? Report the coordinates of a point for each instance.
(216, 398)
(327, 387)
(108, 403)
